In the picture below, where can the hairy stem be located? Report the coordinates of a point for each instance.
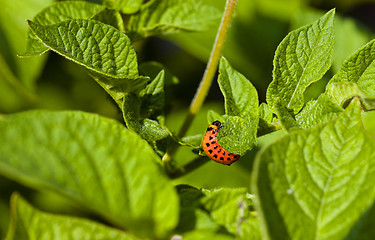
(208, 76)
(210, 71)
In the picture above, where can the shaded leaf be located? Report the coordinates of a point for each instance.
(265, 119)
(152, 97)
(230, 208)
(152, 69)
(161, 17)
(203, 235)
(110, 17)
(17, 76)
(94, 161)
(147, 128)
(286, 118)
(192, 216)
(125, 6)
(29, 223)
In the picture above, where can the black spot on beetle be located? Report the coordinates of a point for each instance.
(228, 159)
(221, 158)
(211, 137)
(215, 146)
(215, 156)
(224, 153)
(219, 150)
(210, 151)
(213, 142)
(207, 144)
(209, 129)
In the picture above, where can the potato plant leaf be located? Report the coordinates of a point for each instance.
(148, 129)
(241, 98)
(160, 17)
(239, 131)
(55, 13)
(28, 223)
(125, 6)
(359, 68)
(203, 235)
(318, 111)
(231, 208)
(355, 78)
(286, 118)
(94, 161)
(213, 116)
(317, 183)
(343, 92)
(238, 135)
(302, 58)
(101, 48)
(152, 69)
(265, 119)
(192, 216)
(110, 17)
(152, 96)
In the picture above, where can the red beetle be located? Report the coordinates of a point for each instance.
(213, 149)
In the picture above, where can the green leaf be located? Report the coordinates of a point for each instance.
(286, 118)
(110, 17)
(147, 128)
(161, 17)
(194, 141)
(94, 161)
(152, 69)
(55, 13)
(365, 226)
(192, 216)
(17, 76)
(29, 223)
(204, 235)
(125, 6)
(301, 58)
(318, 111)
(241, 98)
(316, 183)
(343, 92)
(359, 68)
(152, 96)
(345, 44)
(265, 119)
(238, 135)
(213, 116)
(117, 87)
(101, 48)
(230, 208)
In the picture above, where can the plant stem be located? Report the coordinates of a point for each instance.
(208, 76)
(210, 71)
(196, 163)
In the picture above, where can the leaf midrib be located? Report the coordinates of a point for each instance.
(304, 67)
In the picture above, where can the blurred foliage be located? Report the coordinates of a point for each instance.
(52, 82)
